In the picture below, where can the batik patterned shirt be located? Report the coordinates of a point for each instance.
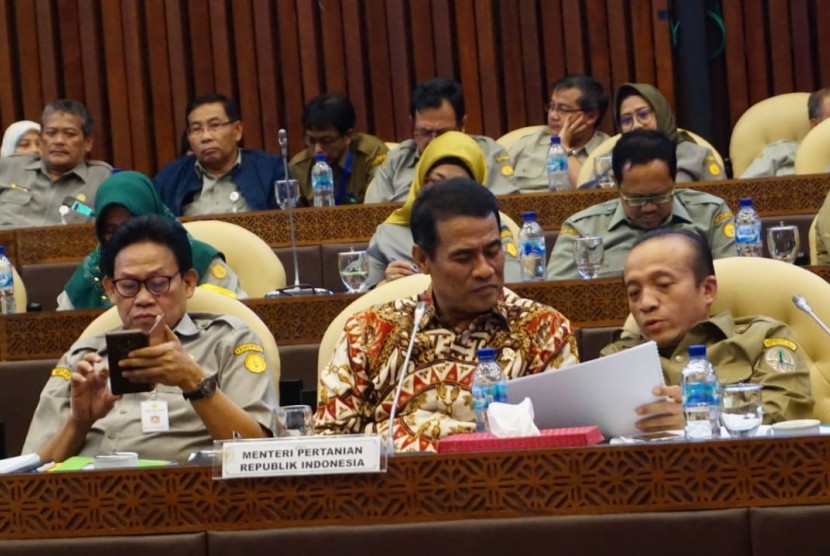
(357, 387)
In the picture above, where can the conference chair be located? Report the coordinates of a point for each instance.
(255, 263)
(207, 301)
(509, 139)
(586, 174)
(20, 298)
(388, 291)
(813, 156)
(391, 145)
(782, 117)
(757, 286)
(811, 240)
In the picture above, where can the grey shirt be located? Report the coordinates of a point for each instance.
(219, 194)
(697, 163)
(394, 177)
(777, 159)
(529, 156)
(29, 196)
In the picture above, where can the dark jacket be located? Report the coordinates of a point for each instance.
(178, 182)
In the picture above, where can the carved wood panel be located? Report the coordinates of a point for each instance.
(596, 480)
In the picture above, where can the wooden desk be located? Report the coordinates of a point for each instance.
(425, 488)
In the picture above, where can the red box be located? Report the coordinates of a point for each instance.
(549, 438)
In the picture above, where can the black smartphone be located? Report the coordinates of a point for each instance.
(119, 345)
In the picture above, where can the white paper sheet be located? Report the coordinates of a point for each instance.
(603, 392)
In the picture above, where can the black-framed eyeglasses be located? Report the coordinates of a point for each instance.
(561, 108)
(324, 142)
(156, 285)
(637, 202)
(210, 127)
(643, 115)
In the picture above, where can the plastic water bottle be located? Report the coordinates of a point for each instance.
(322, 182)
(748, 237)
(488, 386)
(7, 302)
(557, 166)
(532, 252)
(701, 399)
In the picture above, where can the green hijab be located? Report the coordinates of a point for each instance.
(662, 111)
(137, 193)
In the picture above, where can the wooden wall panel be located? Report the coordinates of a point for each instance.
(137, 64)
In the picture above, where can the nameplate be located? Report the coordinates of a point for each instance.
(302, 455)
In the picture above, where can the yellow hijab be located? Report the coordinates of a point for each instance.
(452, 144)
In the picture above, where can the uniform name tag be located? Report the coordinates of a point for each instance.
(154, 416)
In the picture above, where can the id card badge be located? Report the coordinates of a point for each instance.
(154, 416)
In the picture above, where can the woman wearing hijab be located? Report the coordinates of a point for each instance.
(21, 138)
(642, 106)
(450, 155)
(120, 197)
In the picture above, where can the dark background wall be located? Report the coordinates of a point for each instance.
(136, 63)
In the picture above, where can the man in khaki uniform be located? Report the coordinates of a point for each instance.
(33, 189)
(329, 121)
(435, 107)
(670, 282)
(575, 109)
(210, 376)
(778, 159)
(645, 166)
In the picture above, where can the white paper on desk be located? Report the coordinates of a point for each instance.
(603, 392)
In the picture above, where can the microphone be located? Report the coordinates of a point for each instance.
(283, 139)
(802, 304)
(420, 310)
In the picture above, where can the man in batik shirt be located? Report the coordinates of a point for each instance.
(455, 226)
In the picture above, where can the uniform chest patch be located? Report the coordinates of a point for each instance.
(781, 359)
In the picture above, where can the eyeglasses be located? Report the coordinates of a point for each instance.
(561, 108)
(156, 285)
(637, 202)
(324, 142)
(421, 133)
(210, 127)
(643, 115)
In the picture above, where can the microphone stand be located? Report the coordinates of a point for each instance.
(802, 304)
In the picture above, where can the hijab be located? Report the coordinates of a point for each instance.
(14, 133)
(138, 194)
(662, 111)
(452, 144)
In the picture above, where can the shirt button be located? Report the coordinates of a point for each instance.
(678, 358)
(123, 412)
(111, 436)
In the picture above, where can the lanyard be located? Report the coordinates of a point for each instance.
(344, 180)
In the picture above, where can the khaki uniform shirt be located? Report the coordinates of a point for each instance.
(219, 194)
(368, 153)
(29, 197)
(748, 349)
(691, 210)
(777, 159)
(219, 344)
(393, 178)
(697, 163)
(530, 154)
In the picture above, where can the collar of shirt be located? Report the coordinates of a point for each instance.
(678, 214)
(38, 164)
(432, 319)
(186, 327)
(201, 171)
(723, 323)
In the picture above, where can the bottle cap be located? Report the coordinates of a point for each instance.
(529, 216)
(697, 350)
(745, 202)
(320, 157)
(555, 140)
(486, 354)
(2, 250)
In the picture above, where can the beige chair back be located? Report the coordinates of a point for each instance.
(813, 156)
(811, 240)
(782, 117)
(509, 139)
(586, 174)
(20, 298)
(391, 145)
(207, 301)
(750, 286)
(255, 263)
(388, 291)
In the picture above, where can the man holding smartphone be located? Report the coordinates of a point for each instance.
(208, 374)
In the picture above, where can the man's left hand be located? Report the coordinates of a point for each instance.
(574, 125)
(663, 415)
(165, 363)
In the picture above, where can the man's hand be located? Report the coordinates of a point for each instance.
(662, 415)
(399, 269)
(90, 396)
(165, 363)
(574, 125)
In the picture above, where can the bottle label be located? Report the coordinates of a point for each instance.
(6, 279)
(747, 233)
(481, 397)
(700, 393)
(532, 246)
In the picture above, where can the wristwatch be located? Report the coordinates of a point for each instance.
(204, 389)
